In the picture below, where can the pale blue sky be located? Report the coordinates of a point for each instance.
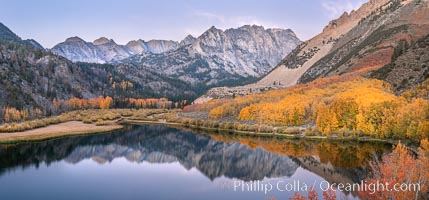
(52, 21)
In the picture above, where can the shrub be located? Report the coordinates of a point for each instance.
(100, 122)
(87, 120)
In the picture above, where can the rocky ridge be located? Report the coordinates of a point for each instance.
(220, 57)
(356, 43)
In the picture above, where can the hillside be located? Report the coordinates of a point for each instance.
(366, 74)
(357, 43)
(103, 50)
(338, 106)
(370, 44)
(216, 58)
(8, 35)
(409, 66)
(31, 78)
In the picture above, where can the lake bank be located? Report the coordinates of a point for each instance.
(86, 121)
(155, 152)
(57, 130)
(259, 134)
(79, 128)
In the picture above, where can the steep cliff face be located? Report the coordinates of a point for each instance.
(151, 46)
(76, 49)
(220, 57)
(216, 58)
(246, 51)
(110, 50)
(104, 50)
(356, 44)
(188, 40)
(161, 46)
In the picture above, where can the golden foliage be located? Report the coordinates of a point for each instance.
(336, 104)
(98, 116)
(9, 114)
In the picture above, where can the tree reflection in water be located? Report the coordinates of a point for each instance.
(214, 155)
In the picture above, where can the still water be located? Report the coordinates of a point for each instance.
(159, 162)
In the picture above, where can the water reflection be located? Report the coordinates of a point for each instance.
(215, 156)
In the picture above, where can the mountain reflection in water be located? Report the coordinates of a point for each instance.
(214, 155)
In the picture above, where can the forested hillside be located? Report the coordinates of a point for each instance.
(360, 42)
(341, 105)
(31, 79)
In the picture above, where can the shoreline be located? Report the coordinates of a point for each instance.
(70, 128)
(74, 128)
(261, 134)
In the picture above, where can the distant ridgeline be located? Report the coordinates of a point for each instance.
(36, 83)
(33, 78)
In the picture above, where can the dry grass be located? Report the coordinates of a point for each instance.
(78, 122)
(57, 130)
(97, 116)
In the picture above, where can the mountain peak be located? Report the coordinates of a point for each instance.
(189, 36)
(7, 34)
(102, 40)
(213, 29)
(75, 39)
(189, 39)
(253, 26)
(138, 41)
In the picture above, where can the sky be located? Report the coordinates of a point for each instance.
(51, 21)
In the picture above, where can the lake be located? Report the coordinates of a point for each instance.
(159, 162)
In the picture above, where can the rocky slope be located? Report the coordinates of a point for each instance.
(220, 57)
(356, 43)
(371, 43)
(215, 58)
(76, 49)
(7, 34)
(104, 50)
(188, 40)
(110, 50)
(409, 67)
(152, 46)
(31, 77)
